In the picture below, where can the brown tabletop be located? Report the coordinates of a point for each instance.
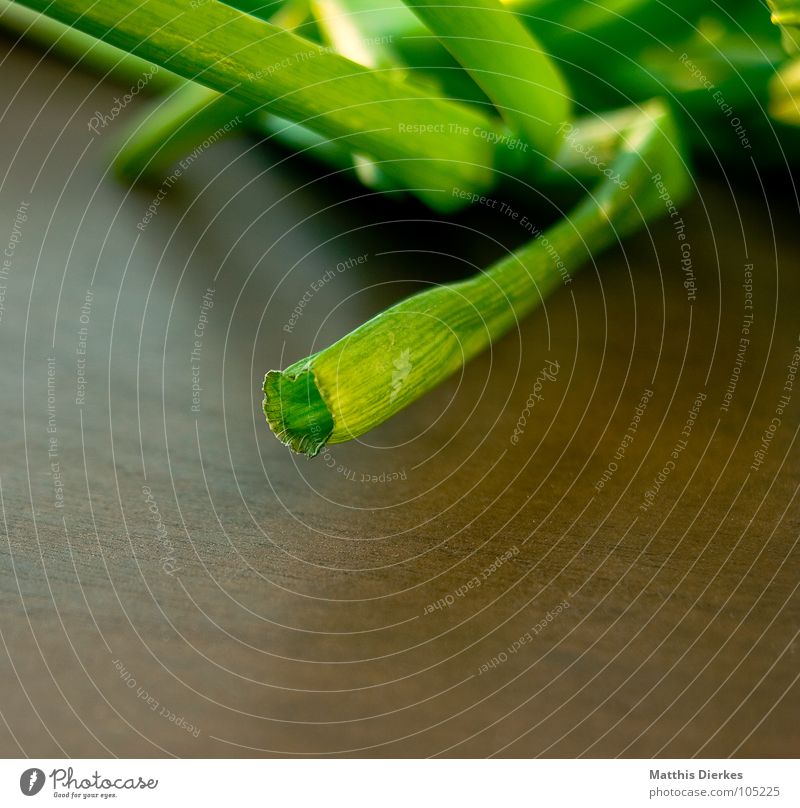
(607, 567)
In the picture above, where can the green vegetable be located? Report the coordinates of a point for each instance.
(432, 104)
(194, 113)
(506, 61)
(172, 129)
(75, 46)
(269, 68)
(390, 361)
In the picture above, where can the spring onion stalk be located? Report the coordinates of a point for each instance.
(269, 68)
(353, 28)
(390, 361)
(76, 47)
(193, 113)
(165, 134)
(505, 60)
(740, 65)
(173, 127)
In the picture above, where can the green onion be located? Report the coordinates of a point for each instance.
(87, 51)
(432, 109)
(506, 61)
(394, 358)
(193, 113)
(172, 128)
(292, 77)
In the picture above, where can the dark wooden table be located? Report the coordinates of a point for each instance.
(174, 582)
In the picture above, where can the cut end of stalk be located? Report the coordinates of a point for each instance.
(296, 411)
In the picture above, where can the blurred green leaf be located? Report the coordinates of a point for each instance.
(786, 13)
(784, 90)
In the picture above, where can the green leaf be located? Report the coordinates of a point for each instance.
(195, 113)
(390, 361)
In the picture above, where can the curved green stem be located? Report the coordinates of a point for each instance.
(393, 359)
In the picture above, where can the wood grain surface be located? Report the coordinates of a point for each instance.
(435, 588)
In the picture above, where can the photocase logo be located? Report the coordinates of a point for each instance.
(31, 782)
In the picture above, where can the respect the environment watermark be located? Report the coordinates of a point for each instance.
(184, 165)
